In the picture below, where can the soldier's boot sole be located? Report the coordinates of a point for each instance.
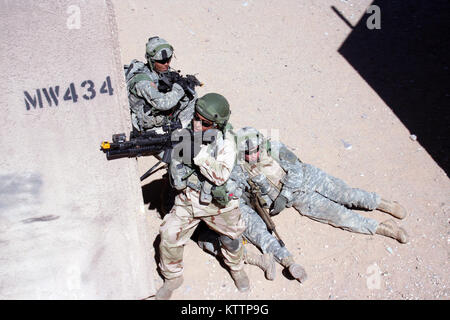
(241, 280)
(165, 292)
(298, 272)
(393, 208)
(390, 229)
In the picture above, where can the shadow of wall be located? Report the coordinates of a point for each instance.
(406, 63)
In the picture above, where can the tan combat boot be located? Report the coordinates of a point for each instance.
(393, 208)
(240, 280)
(296, 270)
(264, 261)
(165, 292)
(390, 229)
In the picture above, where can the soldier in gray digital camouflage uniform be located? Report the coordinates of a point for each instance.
(285, 181)
(151, 108)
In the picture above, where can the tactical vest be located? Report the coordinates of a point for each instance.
(184, 175)
(147, 116)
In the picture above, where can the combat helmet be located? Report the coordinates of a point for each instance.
(215, 108)
(157, 49)
(249, 139)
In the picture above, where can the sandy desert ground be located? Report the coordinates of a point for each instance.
(278, 65)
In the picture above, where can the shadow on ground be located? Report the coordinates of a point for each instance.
(406, 63)
(159, 195)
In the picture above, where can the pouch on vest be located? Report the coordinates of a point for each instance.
(222, 195)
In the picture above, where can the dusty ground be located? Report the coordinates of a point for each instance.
(277, 63)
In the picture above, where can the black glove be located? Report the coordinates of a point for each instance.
(166, 81)
(184, 83)
(193, 81)
(278, 205)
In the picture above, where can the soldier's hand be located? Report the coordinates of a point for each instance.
(261, 181)
(183, 82)
(278, 205)
(193, 81)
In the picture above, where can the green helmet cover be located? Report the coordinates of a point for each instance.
(214, 107)
(157, 49)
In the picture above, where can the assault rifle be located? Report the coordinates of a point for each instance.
(260, 205)
(188, 83)
(148, 143)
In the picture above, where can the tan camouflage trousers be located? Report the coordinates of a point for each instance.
(179, 225)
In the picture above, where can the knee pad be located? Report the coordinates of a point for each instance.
(232, 245)
(209, 241)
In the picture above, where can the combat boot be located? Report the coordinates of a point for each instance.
(240, 280)
(296, 270)
(165, 292)
(393, 208)
(390, 229)
(264, 261)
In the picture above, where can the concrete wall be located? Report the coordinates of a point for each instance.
(72, 224)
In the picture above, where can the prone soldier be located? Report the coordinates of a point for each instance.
(319, 195)
(285, 181)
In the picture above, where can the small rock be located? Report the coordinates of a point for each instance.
(347, 145)
(413, 137)
(389, 250)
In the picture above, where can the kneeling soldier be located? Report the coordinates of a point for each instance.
(204, 196)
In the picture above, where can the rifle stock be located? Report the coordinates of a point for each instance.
(259, 204)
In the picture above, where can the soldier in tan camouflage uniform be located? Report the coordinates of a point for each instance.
(213, 164)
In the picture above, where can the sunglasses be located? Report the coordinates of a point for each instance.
(205, 123)
(249, 152)
(164, 61)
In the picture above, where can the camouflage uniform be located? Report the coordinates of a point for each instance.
(313, 192)
(256, 232)
(178, 226)
(310, 190)
(150, 107)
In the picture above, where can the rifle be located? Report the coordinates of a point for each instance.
(188, 83)
(260, 206)
(148, 143)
